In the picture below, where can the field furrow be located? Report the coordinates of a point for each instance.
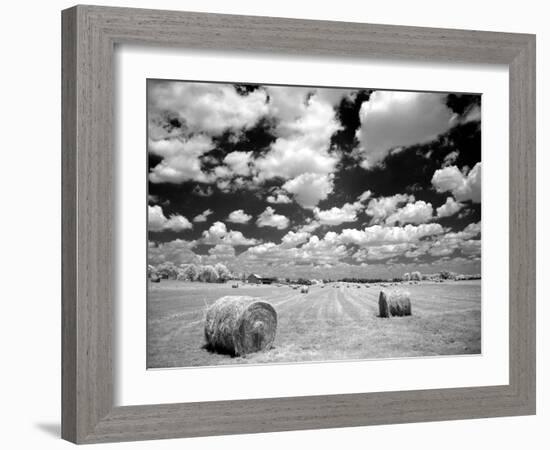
(325, 324)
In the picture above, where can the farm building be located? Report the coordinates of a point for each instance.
(254, 278)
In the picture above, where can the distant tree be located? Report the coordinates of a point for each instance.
(208, 274)
(416, 276)
(167, 270)
(188, 272)
(192, 272)
(224, 273)
(446, 275)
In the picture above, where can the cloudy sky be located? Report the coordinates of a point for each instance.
(314, 182)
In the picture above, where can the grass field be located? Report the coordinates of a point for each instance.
(326, 324)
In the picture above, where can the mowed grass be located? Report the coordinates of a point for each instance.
(326, 324)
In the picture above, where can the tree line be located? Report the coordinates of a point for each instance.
(208, 273)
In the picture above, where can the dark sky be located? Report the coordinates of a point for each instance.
(315, 182)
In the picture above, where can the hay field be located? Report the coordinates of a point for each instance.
(325, 324)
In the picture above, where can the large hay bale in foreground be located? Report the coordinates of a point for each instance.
(394, 303)
(239, 325)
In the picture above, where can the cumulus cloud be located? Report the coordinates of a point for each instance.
(315, 251)
(178, 251)
(238, 162)
(473, 115)
(180, 159)
(364, 196)
(305, 121)
(292, 157)
(222, 252)
(417, 212)
(309, 226)
(199, 132)
(380, 252)
(204, 107)
(310, 188)
(270, 219)
(375, 243)
(449, 208)
(471, 247)
(444, 245)
(464, 186)
(379, 234)
(278, 198)
(157, 221)
(293, 239)
(465, 241)
(382, 207)
(185, 117)
(323, 251)
(219, 234)
(451, 158)
(239, 216)
(203, 217)
(336, 216)
(392, 119)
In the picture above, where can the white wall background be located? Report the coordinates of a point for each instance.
(30, 222)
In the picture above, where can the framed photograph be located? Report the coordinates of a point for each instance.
(278, 224)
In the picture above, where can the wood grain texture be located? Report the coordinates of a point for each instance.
(89, 36)
(68, 226)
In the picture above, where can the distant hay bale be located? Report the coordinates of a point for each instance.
(235, 285)
(155, 278)
(394, 303)
(239, 325)
(304, 289)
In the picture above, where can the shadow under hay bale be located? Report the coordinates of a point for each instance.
(238, 325)
(394, 303)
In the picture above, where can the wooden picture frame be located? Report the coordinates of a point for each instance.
(90, 34)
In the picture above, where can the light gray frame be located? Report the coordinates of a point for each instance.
(89, 36)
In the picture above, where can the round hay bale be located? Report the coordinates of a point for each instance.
(239, 325)
(304, 289)
(155, 278)
(394, 303)
(235, 285)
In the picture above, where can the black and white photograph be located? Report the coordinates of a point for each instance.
(295, 224)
